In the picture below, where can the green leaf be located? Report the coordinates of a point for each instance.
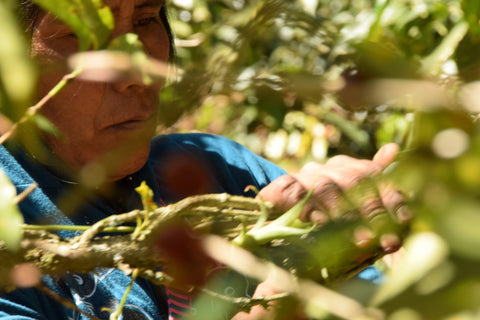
(433, 63)
(472, 14)
(10, 217)
(90, 20)
(45, 124)
(283, 226)
(423, 252)
(17, 74)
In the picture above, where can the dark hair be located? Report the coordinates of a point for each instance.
(28, 11)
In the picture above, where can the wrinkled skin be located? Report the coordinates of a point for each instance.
(329, 182)
(96, 118)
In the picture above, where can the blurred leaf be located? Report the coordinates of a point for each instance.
(394, 128)
(17, 73)
(125, 57)
(423, 252)
(472, 14)
(91, 20)
(131, 44)
(457, 224)
(431, 65)
(11, 218)
(349, 128)
(45, 125)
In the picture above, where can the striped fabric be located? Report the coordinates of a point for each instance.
(179, 304)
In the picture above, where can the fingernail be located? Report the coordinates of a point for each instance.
(404, 215)
(319, 217)
(363, 237)
(390, 243)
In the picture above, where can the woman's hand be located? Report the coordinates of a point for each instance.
(330, 182)
(258, 312)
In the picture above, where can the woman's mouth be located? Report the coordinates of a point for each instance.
(129, 125)
(133, 123)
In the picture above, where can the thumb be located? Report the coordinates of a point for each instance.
(385, 156)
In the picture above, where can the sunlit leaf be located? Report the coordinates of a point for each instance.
(10, 217)
(17, 74)
(45, 125)
(472, 13)
(458, 226)
(434, 62)
(423, 252)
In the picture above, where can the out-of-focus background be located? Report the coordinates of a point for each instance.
(290, 79)
(303, 80)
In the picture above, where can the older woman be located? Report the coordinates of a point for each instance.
(107, 129)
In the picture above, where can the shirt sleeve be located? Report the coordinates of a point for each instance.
(204, 163)
(23, 304)
(233, 167)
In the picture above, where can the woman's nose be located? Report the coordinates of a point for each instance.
(132, 79)
(132, 83)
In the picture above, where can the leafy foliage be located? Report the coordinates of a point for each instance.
(306, 79)
(17, 72)
(322, 77)
(11, 218)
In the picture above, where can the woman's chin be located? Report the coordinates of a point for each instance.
(129, 167)
(108, 170)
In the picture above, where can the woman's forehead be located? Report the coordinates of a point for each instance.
(117, 4)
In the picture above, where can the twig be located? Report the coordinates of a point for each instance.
(246, 304)
(118, 312)
(34, 109)
(156, 277)
(309, 292)
(67, 303)
(111, 221)
(119, 229)
(19, 198)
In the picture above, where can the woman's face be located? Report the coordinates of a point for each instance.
(98, 120)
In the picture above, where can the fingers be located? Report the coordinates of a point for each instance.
(331, 185)
(385, 156)
(284, 192)
(350, 189)
(394, 201)
(342, 170)
(275, 308)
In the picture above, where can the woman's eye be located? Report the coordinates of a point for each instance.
(146, 21)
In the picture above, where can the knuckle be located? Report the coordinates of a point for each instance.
(286, 183)
(327, 193)
(372, 208)
(311, 167)
(340, 160)
(325, 186)
(392, 198)
(295, 192)
(284, 192)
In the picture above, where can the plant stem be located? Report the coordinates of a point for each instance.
(34, 109)
(118, 312)
(74, 228)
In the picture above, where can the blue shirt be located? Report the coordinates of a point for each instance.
(179, 165)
